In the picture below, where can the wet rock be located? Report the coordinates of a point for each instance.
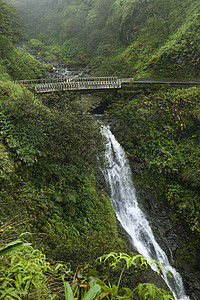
(192, 284)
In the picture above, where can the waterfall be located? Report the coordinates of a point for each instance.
(118, 177)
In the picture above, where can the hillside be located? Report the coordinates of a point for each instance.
(154, 39)
(48, 192)
(52, 194)
(49, 150)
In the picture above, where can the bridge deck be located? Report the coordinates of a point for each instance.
(89, 83)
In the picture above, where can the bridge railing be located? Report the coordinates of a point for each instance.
(54, 80)
(34, 82)
(79, 84)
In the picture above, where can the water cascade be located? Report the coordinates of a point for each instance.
(118, 177)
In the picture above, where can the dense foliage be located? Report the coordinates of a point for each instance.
(48, 157)
(49, 179)
(10, 24)
(27, 274)
(136, 38)
(14, 61)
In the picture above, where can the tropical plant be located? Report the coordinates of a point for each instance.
(91, 294)
(22, 271)
(25, 272)
(143, 290)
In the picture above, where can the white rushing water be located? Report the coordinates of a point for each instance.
(118, 177)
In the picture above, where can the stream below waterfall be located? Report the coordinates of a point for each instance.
(61, 70)
(118, 176)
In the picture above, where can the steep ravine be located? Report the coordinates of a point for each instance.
(168, 235)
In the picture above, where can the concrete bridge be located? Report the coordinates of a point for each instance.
(89, 83)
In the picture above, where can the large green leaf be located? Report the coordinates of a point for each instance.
(12, 247)
(92, 292)
(68, 291)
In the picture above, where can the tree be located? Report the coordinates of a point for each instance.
(10, 22)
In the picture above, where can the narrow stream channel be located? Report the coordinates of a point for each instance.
(121, 189)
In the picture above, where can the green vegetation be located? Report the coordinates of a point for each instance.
(48, 162)
(136, 38)
(21, 65)
(15, 63)
(50, 186)
(165, 46)
(160, 130)
(47, 173)
(26, 274)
